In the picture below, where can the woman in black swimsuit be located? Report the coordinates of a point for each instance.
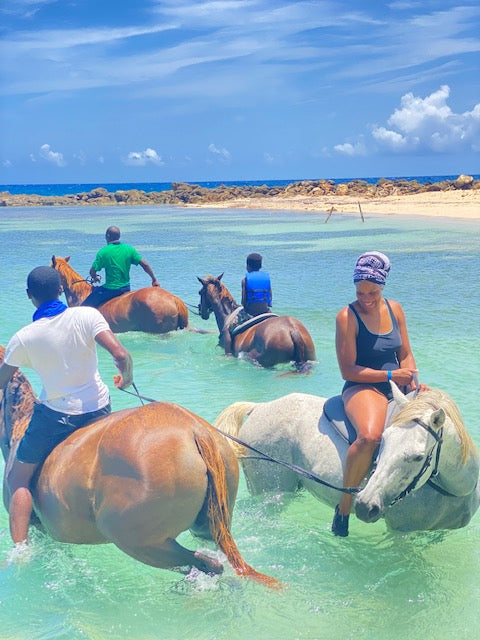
(372, 349)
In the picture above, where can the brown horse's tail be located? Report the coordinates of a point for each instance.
(300, 355)
(182, 313)
(218, 512)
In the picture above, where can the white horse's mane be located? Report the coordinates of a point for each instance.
(436, 399)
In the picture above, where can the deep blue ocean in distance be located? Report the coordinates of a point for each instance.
(62, 189)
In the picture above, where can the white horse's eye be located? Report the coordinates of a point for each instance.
(415, 457)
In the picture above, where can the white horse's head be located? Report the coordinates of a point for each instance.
(426, 433)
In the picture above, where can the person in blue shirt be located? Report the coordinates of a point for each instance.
(256, 287)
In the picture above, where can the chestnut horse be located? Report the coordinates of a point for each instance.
(152, 309)
(136, 478)
(272, 341)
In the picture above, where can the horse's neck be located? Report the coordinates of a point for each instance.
(223, 310)
(74, 287)
(455, 476)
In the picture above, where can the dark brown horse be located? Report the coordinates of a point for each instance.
(152, 309)
(136, 478)
(272, 341)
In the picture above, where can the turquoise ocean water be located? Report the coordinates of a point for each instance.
(375, 585)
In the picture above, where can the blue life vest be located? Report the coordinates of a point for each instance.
(257, 287)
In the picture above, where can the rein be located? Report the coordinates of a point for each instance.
(264, 456)
(89, 280)
(194, 308)
(438, 437)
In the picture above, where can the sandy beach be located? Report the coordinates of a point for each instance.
(328, 199)
(451, 204)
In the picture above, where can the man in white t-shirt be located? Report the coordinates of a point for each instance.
(60, 345)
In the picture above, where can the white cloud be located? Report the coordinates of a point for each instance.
(142, 158)
(7, 164)
(55, 157)
(392, 139)
(357, 149)
(219, 152)
(430, 124)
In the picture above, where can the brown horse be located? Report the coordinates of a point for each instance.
(136, 478)
(152, 309)
(272, 341)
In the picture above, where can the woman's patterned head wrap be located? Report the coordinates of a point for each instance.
(373, 266)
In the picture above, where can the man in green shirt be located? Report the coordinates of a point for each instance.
(116, 258)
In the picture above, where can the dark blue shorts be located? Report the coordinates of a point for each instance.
(384, 387)
(100, 295)
(48, 428)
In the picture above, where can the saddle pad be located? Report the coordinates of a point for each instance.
(251, 322)
(335, 414)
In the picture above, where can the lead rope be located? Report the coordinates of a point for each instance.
(264, 456)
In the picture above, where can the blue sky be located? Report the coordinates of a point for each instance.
(161, 90)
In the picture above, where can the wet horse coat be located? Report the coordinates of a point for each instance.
(273, 341)
(295, 429)
(151, 309)
(136, 478)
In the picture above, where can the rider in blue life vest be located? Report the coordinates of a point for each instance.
(256, 287)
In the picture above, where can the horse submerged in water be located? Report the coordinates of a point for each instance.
(267, 341)
(136, 478)
(151, 309)
(426, 473)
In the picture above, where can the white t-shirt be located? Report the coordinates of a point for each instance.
(62, 350)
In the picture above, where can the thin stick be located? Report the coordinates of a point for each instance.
(361, 212)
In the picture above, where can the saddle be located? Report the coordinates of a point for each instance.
(334, 412)
(249, 322)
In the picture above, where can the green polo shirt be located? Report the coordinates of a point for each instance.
(116, 258)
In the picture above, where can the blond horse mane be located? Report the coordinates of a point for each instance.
(437, 399)
(71, 279)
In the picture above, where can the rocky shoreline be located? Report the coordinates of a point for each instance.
(183, 194)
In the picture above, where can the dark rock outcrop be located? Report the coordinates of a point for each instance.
(183, 193)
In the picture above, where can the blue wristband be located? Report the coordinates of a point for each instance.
(389, 375)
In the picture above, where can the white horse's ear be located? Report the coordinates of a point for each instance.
(398, 396)
(437, 419)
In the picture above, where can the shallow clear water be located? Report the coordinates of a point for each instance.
(374, 585)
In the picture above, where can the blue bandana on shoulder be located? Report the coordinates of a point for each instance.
(49, 309)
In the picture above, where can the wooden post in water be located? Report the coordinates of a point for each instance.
(361, 212)
(332, 208)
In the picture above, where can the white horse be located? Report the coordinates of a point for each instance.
(426, 473)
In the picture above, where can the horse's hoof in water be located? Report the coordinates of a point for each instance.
(340, 524)
(207, 564)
